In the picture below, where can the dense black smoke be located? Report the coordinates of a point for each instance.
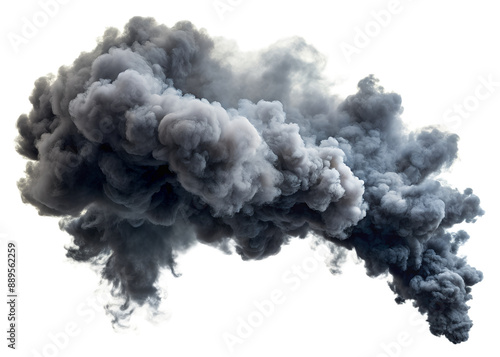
(162, 137)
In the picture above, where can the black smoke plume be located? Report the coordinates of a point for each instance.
(164, 137)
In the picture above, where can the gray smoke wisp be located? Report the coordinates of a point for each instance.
(163, 137)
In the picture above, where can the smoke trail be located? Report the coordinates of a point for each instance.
(162, 137)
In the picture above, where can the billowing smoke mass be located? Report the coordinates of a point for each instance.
(163, 137)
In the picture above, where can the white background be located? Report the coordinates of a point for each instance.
(435, 54)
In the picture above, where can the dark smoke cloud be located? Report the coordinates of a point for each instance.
(163, 137)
